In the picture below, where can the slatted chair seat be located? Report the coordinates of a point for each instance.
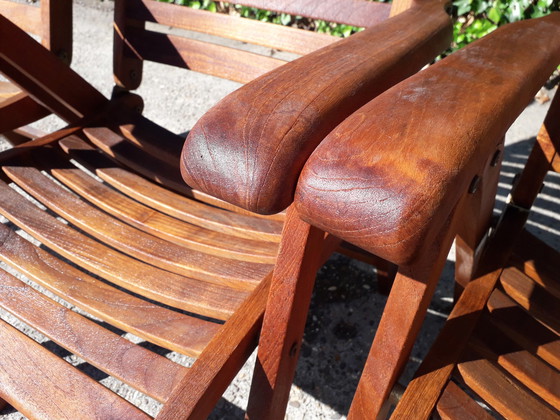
(112, 256)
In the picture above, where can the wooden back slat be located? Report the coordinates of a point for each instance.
(215, 60)
(35, 381)
(167, 328)
(251, 31)
(351, 12)
(23, 15)
(98, 346)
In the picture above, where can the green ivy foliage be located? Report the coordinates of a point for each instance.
(476, 18)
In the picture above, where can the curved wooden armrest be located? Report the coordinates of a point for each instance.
(44, 77)
(250, 148)
(389, 176)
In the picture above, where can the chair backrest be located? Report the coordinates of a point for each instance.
(224, 45)
(51, 20)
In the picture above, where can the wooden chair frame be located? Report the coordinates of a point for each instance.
(191, 273)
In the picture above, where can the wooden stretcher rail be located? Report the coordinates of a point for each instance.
(380, 179)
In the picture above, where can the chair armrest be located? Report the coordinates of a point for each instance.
(249, 149)
(389, 176)
(44, 77)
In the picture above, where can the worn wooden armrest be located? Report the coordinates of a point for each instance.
(388, 177)
(259, 137)
(42, 75)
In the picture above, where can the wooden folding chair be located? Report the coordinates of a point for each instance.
(51, 21)
(402, 177)
(115, 233)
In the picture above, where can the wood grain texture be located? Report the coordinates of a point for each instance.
(25, 16)
(455, 404)
(278, 37)
(167, 328)
(35, 381)
(357, 185)
(142, 369)
(269, 127)
(169, 202)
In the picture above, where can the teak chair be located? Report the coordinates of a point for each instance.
(498, 355)
(141, 251)
(402, 177)
(51, 20)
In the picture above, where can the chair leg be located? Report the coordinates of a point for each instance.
(398, 328)
(285, 316)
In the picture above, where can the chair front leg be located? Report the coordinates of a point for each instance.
(302, 250)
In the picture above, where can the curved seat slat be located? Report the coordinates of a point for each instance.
(145, 247)
(164, 226)
(35, 381)
(140, 368)
(181, 292)
(165, 327)
(169, 202)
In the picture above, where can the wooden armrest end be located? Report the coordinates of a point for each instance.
(249, 149)
(389, 176)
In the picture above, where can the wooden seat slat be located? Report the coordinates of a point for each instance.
(523, 329)
(162, 225)
(165, 327)
(8, 89)
(530, 249)
(131, 241)
(140, 368)
(501, 392)
(455, 404)
(533, 298)
(520, 363)
(169, 202)
(215, 60)
(181, 292)
(278, 37)
(35, 381)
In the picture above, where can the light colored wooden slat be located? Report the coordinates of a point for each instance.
(531, 297)
(25, 16)
(165, 327)
(215, 60)
(351, 12)
(142, 369)
(164, 226)
(245, 30)
(8, 90)
(501, 392)
(528, 369)
(35, 381)
(190, 294)
(455, 404)
(175, 258)
(166, 201)
(539, 261)
(523, 329)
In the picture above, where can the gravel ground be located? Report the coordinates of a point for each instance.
(345, 308)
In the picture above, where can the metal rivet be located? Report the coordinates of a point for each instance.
(474, 184)
(496, 158)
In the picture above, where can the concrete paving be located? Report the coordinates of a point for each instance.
(345, 307)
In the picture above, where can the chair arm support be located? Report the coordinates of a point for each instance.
(388, 177)
(249, 149)
(44, 77)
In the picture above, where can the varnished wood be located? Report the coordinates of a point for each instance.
(303, 114)
(455, 404)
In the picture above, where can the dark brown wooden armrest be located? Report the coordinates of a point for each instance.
(250, 148)
(388, 177)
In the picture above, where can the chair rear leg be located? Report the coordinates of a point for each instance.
(303, 249)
